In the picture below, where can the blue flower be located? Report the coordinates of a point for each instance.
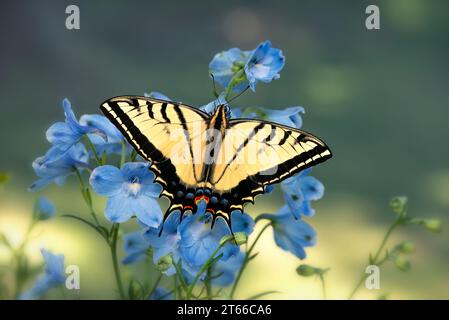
(300, 190)
(167, 243)
(43, 209)
(291, 234)
(160, 294)
(157, 95)
(131, 192)
(289, 116)
(53, 276)
(198, 240)
(63, 135)
(135, 246)
(241, 222)
(264, 64)
(226, 64)
(110, 140)
(49, 170)
(224, 272)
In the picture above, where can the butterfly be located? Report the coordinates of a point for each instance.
(198, 156)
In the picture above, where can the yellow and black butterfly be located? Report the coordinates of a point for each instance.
(199, 156)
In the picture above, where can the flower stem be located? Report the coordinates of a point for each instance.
(208, 284)
(113, 246)
(246, 260)
(234, 80)
(86, 196)
(156, 283)
(94, 151)
(18, 259)
(375, 259)
(123, 154)
(323, 286)
(205, 266)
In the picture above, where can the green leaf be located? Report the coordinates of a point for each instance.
(262, 294)
(101, 230)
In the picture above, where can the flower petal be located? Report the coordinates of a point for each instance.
(118, 208)
(106, 180)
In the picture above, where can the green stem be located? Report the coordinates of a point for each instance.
(246, 260)
(374, 260)
(18, 260)
(234, 80)
(208, 283)
(158, 280)
(180, 277)
(113, 247)
(85, 191)
(323, 286)
(205, 266)
(123, 154)
(94, 151)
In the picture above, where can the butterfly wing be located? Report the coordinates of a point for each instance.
(258, 153)
(163, 133)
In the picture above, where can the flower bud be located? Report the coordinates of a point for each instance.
(406, 247)
(433, 225)
(402, 263)
(164, 263)
(226, 239)
(306, 270)
(43, 209)
(240, 238)
(398, 204)
(4, 177)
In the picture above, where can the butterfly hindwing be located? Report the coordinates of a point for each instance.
(263, 153)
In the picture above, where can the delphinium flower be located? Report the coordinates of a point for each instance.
(63, 135)
(130, 191)
(53, 276)
(223, 272)
(57, 170)
(241, 69)
(111, 139)
(300, 190)
(198, 240)
(166, 242)
(225, 65)
(43, 209)
(291, 234)
(135, 246)
(290, 116)
(264, 64)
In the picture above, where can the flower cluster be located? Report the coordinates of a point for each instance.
(189, 247)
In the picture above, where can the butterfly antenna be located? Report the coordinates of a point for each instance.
(238, 95)
(215, 87)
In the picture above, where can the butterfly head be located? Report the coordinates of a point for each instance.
(223, 109)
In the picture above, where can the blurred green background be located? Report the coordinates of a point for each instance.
(378, 98)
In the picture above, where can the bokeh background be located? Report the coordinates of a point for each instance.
(378, 98)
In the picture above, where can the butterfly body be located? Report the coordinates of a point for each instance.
(197, 156)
